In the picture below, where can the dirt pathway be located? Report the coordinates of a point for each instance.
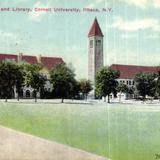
(20, 146)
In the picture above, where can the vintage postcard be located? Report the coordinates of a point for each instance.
(79, 80)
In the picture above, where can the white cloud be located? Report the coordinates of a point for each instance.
(7, 35)
(133, 35)
(36, 16)
(152, 36)
(156, 3)
(95, 3)
(128, 36)
(138, 3)
(136, 24)
(143, 3)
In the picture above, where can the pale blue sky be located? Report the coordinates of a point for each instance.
(131, 31)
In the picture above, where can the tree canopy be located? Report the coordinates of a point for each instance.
(34, 78)
(9, 77)
(85, 87)
(106, 82)
(63, 81)
(146, 84)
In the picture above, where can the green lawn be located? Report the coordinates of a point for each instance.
(119, 132)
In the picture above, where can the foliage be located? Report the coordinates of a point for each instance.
(19, 80)
(106, 82)
(85, 87)
(34, 78)
(122, 88)
(10, 76)
(146, 84)
(63, 81)
(158, 83)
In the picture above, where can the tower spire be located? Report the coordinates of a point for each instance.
(95, 29)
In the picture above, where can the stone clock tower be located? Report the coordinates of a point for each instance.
(95, 51)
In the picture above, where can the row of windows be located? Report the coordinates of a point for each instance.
(98, 43)
(128, 82)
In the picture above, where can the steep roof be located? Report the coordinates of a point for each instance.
(51, 62)
(95, 29)
(8, 56)
(130, 71)
(48, 62)
(29, 59)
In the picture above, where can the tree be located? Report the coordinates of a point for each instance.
(19, 83)
(158, 83)
(8, 71)
(85, 87)
(106, 82)
(34, 78)
(122, 88)
(146, 84)
(63, 80)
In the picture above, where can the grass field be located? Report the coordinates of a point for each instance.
(119, 132)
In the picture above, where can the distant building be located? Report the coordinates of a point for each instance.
(127, 76)
(47, 63)
(128, 72)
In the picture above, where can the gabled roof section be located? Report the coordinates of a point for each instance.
(8, 57)
(130, 71)
(51, 62)
(48, 62)
(95, 29)
(30, 59)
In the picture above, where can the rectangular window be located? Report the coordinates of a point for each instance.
(98, 43)
(91, 44)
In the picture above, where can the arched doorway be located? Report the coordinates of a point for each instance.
(28, 94)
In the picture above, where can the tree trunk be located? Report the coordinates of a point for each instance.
(108, 99)
(62, 100)
(120, 96)
(35, 96)
(144, 98)
(104, 98)
(18, 97)
(6, 99)
(83, 96)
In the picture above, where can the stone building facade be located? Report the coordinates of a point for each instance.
(95, 52)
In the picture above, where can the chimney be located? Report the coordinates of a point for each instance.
(39, 58)
(20, 57)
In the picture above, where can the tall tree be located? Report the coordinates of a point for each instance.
(106, 82)
(62, 79)
(8, 71)
(146, 84)
(19, 83)
(158, 82)
(34, 78)
(85, 87)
